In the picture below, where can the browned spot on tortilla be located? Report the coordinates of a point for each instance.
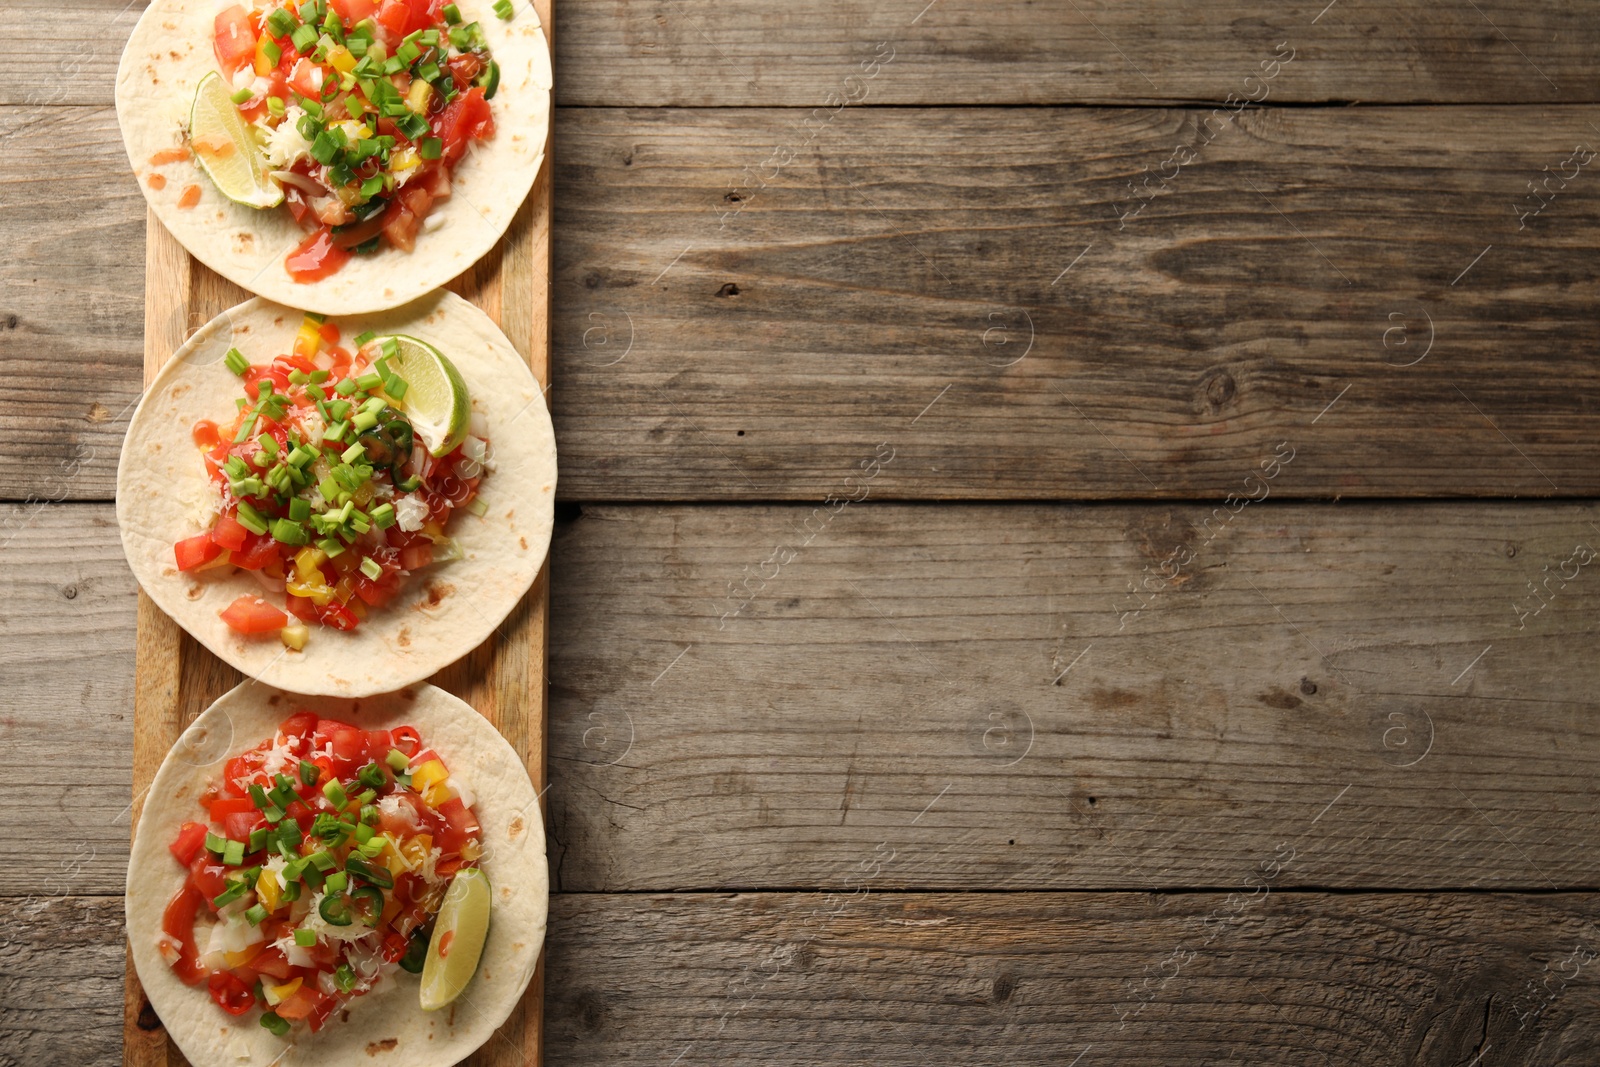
(97, 412)
(174, 53)
(403, 638)
(386, 1045)
(274, 700)
(437, 591)
(516, 827)
(452, 1020)
(523, 541)
(194, 592)
(243, 242)
(178, 390)
(510, 513)
(278, 321)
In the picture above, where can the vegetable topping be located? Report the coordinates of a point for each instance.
(321, 860)
(358, 112)
(325, 487)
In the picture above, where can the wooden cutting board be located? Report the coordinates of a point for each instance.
(505, 678)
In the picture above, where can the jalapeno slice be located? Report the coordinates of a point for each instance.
(335, 911)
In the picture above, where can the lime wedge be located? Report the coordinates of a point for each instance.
(436, 398)
(226, 149)
(458, 935)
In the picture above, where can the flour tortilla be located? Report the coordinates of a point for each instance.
(387, 1023)
(171, 51)
(443, 611)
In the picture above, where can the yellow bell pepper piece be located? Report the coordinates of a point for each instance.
(437, 795)
(319, 593)
(429, 774)
(267, 891)
(471, 849)
(307, 562)
(277, 994)
(295, 636)
(264, 63)
(309, 337)
(342, 59)
(418, 95)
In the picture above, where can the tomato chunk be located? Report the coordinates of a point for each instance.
(177, 922)
(190, 840)
(195, 552)
(234, 40)
(251, 615)
(466, 118)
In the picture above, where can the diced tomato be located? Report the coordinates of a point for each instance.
(400, 227)
(195, 552)
(235, 39)
(301, 726)
(315, 258)
(258, 551)
(302, 608)
(395, 16)
(227, 532)
(377, 593)
(207, 877)
(271, 962)
(460, 825)
(251, 615)
(329, 332)
(349, 750)
(178, 923)
(308, 78)
(238, 826)
(353, 11)
(190, 840)
(415, 557)
(220, 809)
(232, 995)
(402, 822)
(466, 118)
(205, 434)
(301, 814)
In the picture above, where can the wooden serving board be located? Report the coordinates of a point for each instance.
(505, 678)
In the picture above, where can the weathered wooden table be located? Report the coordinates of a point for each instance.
(1075, 537)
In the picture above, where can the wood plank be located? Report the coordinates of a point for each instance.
(882, 687)
(760, 696)
(639, 53)
(906, 251)
(890, 978)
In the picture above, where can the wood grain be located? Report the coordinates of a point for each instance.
(1273, 291)
(1019, 978)
(642, 53)
(978, 680)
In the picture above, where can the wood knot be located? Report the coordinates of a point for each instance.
(1308, 687)
(729, 289)
(148, 1020)
(1219, 389)
(1004, 986)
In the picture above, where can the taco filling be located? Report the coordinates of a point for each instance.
(354, 115)
(323, 857)
(336, 479)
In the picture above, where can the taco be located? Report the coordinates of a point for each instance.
(340, 507)
(337, 155)
(312, 878)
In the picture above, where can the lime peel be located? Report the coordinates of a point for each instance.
(239, 172)
(459, 932)
(436, 401)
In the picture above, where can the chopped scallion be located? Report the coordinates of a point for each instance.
(305, 938)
